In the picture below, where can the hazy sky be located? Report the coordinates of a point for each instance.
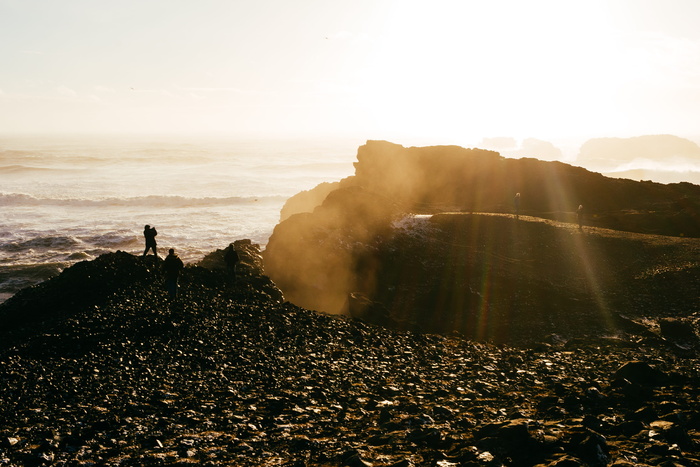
(446, 70)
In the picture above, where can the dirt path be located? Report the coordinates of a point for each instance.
(675, 252)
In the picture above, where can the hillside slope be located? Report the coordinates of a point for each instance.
(498, 278)
(504, 279)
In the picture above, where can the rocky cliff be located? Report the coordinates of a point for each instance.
(489, 276)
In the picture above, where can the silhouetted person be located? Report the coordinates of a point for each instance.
(516, 202)
(231, 259)
(149, 234)
(172, 265)
(579, 214)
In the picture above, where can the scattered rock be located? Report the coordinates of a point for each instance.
(641, 373)
(678, 330)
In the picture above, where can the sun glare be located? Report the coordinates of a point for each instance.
(453, 71)
(455, 67)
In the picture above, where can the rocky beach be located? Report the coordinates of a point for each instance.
(459, 335)
(101, 369)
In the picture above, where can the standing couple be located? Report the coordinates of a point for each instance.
(172, 264)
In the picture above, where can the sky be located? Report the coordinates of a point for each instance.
(446, 71)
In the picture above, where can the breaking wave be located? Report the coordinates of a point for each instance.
(20, 199)
(44, 242)
(16, 277)
(19, 169)
(69, 199)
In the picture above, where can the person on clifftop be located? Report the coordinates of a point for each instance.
(579, 214)
(149, 234)
(231, 259)
(516, 202)
(172, 267)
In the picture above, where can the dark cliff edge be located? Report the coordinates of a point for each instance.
(94, 284)
(450, 178)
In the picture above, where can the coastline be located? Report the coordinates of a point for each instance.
(99, 366)
(71, 198)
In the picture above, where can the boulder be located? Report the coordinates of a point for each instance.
(362, 308)
(642, 373)
(678, 330)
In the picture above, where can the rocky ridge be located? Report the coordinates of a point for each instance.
(98, 367)
(477, 268)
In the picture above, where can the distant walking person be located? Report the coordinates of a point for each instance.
(579, 214)
(172, 267)
(231, 259)
(516, 202)
(149, 234)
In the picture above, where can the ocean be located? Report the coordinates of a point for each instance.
(69, 199)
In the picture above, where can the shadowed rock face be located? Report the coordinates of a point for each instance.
(314, 260)
(492, 277)
(488, 276)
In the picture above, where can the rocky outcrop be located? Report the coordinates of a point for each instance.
(450, 178)
(490, 276)
(314, 256)
(99, 367)
(94, 283)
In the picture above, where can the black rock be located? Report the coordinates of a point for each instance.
(641, 373)
(678, 330)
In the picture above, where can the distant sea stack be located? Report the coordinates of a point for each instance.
(307, 200)
(606, 154)
(363, 249)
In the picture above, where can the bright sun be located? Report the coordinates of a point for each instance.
(442, 70)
